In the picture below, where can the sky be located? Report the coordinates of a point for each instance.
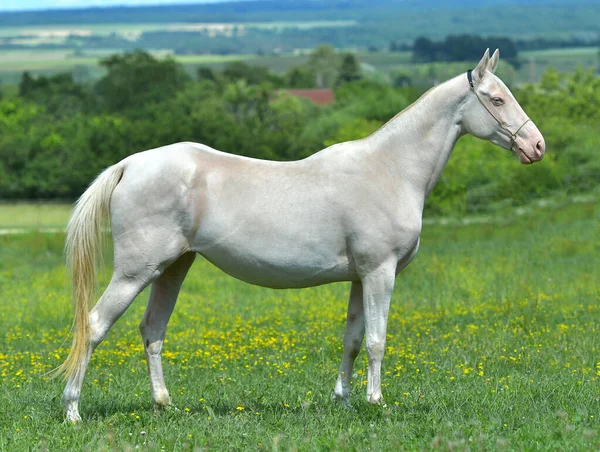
(21, 5)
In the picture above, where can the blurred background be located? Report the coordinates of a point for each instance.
(84, 84)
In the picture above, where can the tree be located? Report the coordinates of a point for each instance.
(461, 48)
(349, 69)
(27, 84)
(252, 75)
(424, 49)
(59, 94)
(206, 73)
(401, 80)
(300, 77)
(137, 78)
(324, 62)
(396, 46)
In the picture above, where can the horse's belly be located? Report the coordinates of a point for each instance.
(280, 267)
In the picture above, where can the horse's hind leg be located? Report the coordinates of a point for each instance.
(117, 297)
(132, 274)
(153, 326)
(353, 338)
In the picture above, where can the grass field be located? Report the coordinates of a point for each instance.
(34, 216)
(493, 343)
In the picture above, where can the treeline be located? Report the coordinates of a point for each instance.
(460, 48)
(467, 47)
(56, 134)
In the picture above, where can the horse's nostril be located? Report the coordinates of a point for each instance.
(539, 147)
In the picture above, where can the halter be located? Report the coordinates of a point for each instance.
(513, 136)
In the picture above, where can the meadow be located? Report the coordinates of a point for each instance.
(33, 216)
(493, 343)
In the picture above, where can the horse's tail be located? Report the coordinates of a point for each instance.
(83, 249)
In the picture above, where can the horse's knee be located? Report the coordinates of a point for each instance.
(97, 332)
(151, 345)
(376, 348)
(153, 348)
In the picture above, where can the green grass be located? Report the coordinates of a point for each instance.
(34, 216)
(493, 342)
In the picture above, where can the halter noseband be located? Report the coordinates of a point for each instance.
(513, 136)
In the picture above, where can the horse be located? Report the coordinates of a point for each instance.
(351, 212)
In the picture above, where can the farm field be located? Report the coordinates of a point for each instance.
(86, 63)
(563, 60)
(493, 343)
(131, 29)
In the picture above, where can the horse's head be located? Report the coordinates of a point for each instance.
(492, 113)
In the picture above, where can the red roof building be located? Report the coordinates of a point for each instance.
(316, 96)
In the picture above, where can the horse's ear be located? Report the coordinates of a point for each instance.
(493, 64)
(480, 69)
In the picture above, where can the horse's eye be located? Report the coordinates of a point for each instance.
(497, 101)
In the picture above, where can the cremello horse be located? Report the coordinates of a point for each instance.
(351, 212)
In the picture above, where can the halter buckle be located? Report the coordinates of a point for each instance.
(470, 77)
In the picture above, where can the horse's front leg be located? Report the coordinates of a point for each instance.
(353, 337)
(377, 292)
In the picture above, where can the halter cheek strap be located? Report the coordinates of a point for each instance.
(513, 136)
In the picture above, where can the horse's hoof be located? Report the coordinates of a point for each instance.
(73, 417)
(376, 400)
(162, 399)
(72, 413)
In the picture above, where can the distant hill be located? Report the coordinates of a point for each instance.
(384, 19)
(270, 26)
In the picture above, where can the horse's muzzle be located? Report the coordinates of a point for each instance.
(529, 154)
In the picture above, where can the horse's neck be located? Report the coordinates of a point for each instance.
(418, 142)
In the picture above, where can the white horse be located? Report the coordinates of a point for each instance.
(352, 212)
